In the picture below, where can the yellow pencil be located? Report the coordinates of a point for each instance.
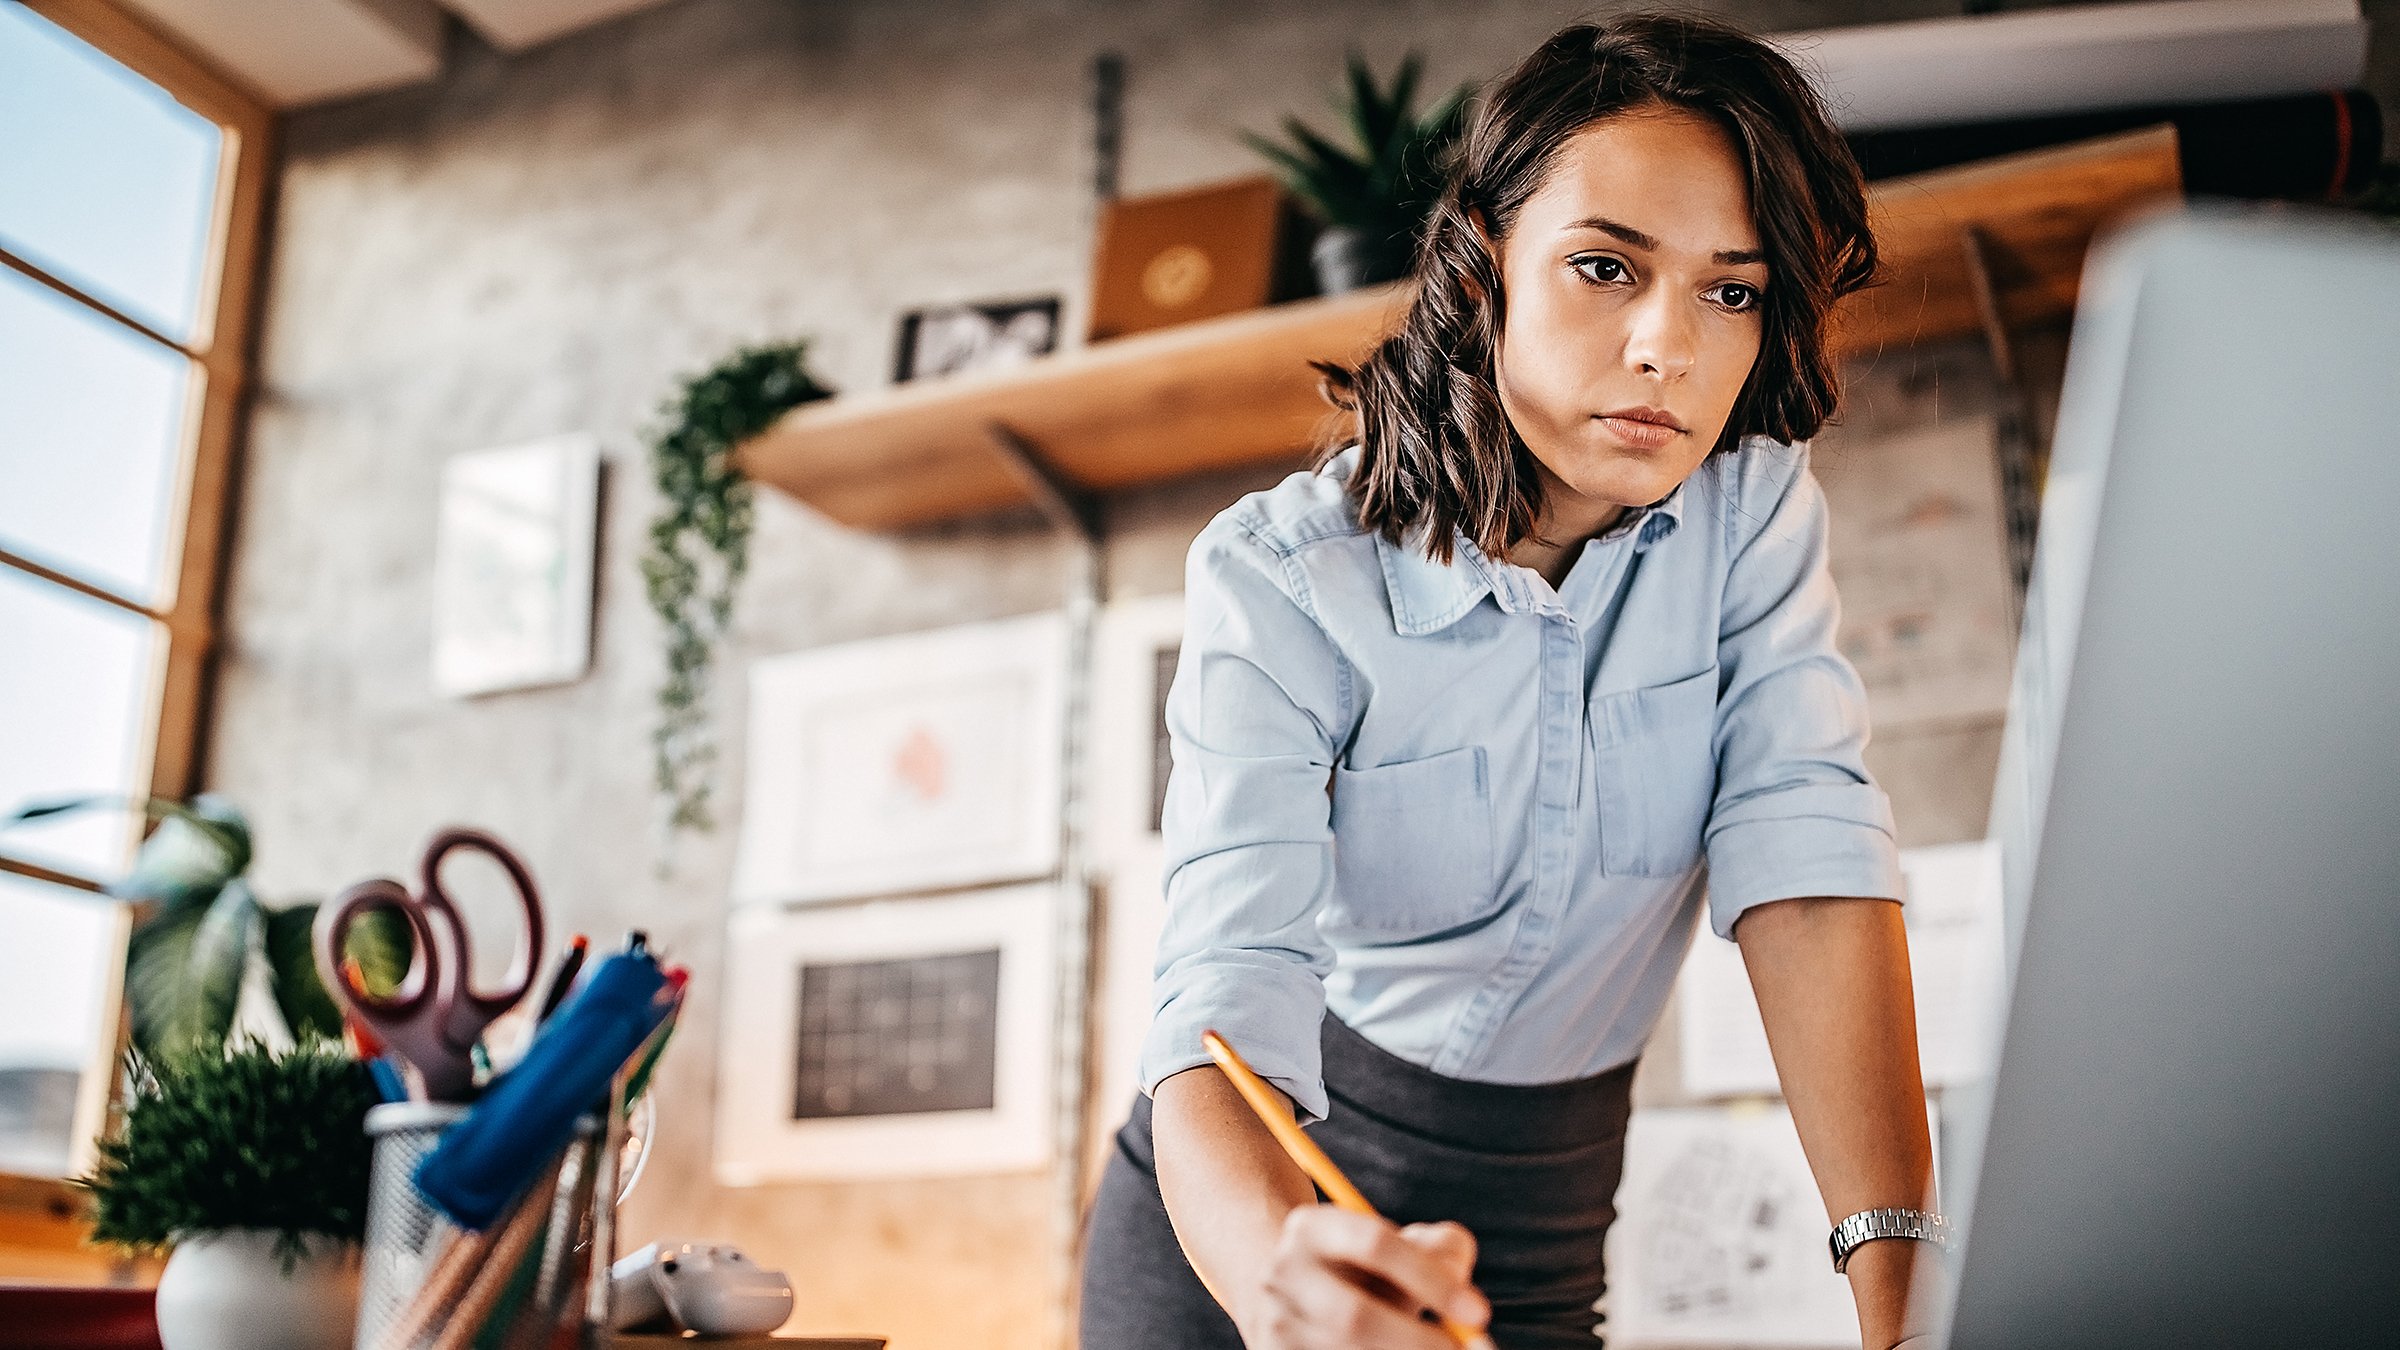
(1304, 1151)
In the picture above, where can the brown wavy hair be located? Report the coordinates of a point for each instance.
(1437, 448)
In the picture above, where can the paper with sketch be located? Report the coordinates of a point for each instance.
(1952, 909)
(1720, 1237)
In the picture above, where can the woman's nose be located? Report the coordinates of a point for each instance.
(1663, 341)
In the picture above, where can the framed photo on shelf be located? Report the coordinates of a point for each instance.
(951, 339)
(908, 1037)
(905, 764)
(513, 556)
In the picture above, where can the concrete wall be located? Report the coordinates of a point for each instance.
(543, 244)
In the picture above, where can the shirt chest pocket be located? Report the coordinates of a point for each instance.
(1412, 847)
(1654, 774)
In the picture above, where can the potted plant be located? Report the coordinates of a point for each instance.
(200, 933)
(1374, 195)
(251, 1165)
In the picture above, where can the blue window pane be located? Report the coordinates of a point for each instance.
(76, 689)
(91, 435)
(105, 181)
(57, 968)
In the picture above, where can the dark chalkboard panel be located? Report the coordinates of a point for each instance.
(887, 1038)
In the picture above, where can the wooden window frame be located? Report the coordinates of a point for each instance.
(40, 1215)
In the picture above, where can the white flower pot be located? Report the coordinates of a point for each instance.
(228, 1291)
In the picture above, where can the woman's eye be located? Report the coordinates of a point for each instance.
(1737, 296)
(1602, 269)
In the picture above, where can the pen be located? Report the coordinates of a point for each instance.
(388, 1083)
(568, 967)
(677, 977)
(1312, 1160)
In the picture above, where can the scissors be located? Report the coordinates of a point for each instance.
(435, 1017)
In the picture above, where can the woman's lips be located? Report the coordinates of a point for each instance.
(1641, 429)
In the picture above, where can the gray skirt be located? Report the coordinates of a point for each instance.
(1531, 1171)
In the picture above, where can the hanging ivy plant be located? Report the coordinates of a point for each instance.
(700, 546)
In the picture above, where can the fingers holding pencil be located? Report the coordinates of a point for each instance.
(1347, 1247)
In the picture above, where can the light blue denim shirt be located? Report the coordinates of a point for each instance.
(1475, 816)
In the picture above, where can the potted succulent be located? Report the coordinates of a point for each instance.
(251, 1165)
(1374, 195)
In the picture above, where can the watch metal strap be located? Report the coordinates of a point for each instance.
(1870, 1224)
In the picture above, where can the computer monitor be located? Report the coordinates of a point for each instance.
(2192, 1137)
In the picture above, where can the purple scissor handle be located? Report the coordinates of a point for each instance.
(435, 1017)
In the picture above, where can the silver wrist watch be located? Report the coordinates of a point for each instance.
(1870, 1224)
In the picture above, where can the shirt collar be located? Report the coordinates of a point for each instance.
(1428, 596)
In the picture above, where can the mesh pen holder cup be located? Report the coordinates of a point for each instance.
(426, 1284)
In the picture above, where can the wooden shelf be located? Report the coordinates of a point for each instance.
(2036, 214)
(1238, 391)
(1182, 400)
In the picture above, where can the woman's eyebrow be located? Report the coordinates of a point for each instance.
(1729, 257)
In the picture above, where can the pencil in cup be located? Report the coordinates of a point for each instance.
(511, 1243)
(468, 1277)
(1272, 1112)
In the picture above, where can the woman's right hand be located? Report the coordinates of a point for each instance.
(1343, 1281)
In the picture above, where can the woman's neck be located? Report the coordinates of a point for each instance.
(1558, 537)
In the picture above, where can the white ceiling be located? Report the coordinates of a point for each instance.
(514, 25)
(297, 52)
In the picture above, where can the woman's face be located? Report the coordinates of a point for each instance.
(1634, 278)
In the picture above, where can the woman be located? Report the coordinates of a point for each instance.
(1466, 717)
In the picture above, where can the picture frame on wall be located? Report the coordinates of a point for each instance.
(1135, 647)
(911, 763)
(894, 1038)
(953, 339)
(515, 534)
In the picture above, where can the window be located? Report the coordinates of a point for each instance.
(131, 182)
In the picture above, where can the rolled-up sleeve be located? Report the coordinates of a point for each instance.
(1258, 705)
(1796, 813)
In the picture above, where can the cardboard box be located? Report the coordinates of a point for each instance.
(1173, 257)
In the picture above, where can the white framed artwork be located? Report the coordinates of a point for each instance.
(1951, 907)
(1135, 645)
(1136, 909)
(905, 764)
(513, 548)
(894, 1038)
